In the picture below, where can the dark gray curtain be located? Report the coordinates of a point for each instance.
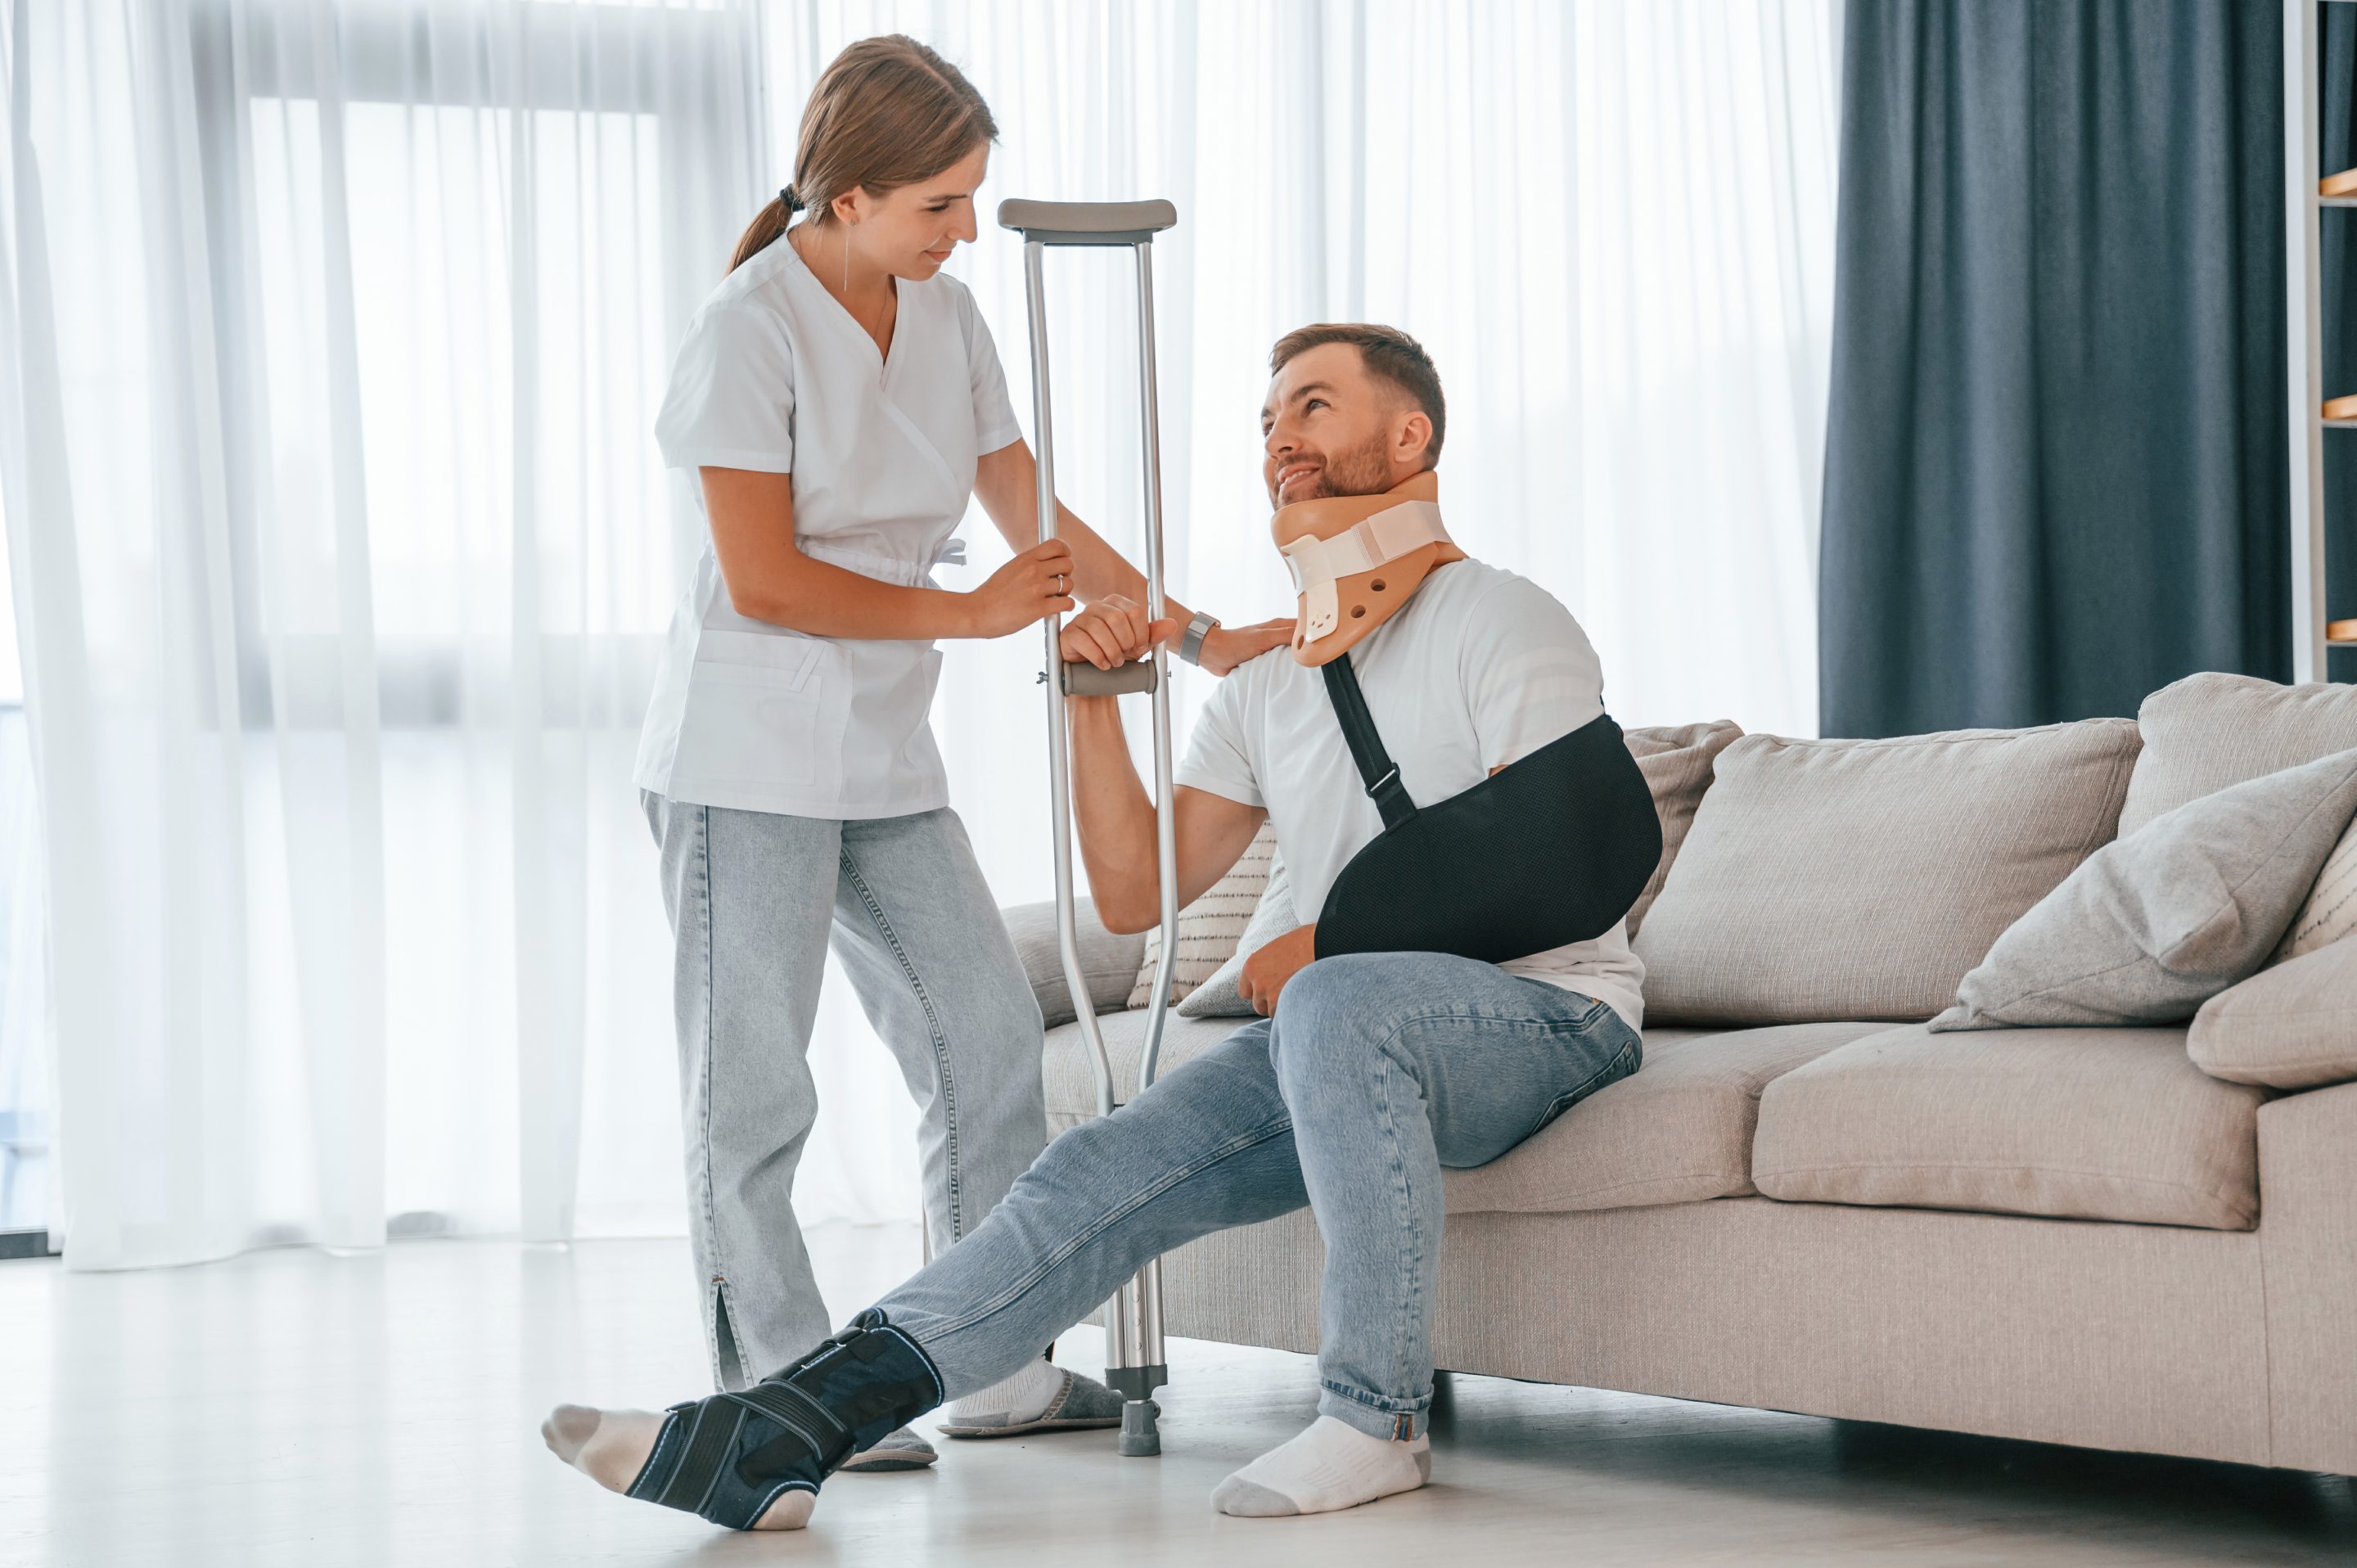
(2337, 62)
(2055, 463)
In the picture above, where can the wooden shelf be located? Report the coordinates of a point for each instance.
(2309, 189)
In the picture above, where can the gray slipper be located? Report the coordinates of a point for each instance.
(1082, 1403)
(898, 1449)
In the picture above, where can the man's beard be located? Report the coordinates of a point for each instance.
(1363, 470)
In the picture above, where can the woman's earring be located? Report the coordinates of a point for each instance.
(846, 258)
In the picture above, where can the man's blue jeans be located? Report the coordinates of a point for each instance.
(1377, 1071)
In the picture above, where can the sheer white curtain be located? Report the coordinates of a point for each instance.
(330, 335)
(1610, 222)
(340, 553)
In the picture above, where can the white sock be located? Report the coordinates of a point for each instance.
(1021, 1398)
(1332, 1466)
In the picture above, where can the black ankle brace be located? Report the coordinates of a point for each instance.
(729, 1456)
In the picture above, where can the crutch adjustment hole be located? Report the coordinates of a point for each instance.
(1377, 585)
(1357, 612)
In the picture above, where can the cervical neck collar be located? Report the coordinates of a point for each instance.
(1357, 559)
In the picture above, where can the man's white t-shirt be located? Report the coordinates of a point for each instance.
(1479, 669)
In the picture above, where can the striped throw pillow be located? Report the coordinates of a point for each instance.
(2331, 911)
(1210, 928)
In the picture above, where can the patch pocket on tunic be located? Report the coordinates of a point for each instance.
(762, 711)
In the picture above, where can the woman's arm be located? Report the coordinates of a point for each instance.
(1007, 483)
(769, 579)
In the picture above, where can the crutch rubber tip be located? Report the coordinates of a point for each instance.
(1141, 1438)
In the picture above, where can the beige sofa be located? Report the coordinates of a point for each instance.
(1806, 1202)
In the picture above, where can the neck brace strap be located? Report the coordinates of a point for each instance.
(1317, 564)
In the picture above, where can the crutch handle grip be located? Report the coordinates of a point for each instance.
(1087, 222)
(1082, 679)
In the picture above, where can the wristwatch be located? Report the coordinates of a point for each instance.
(1190, 646)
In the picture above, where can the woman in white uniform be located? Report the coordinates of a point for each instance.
(840, 402)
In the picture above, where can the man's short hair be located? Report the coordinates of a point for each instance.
(1390, 354)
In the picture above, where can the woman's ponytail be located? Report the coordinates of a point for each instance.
(767, 225)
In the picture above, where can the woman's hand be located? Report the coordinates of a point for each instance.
(1034, 586)
(1266, 971)
(1113, 631)
(1225, 647)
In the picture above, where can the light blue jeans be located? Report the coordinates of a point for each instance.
(754, 899)
(1377, 1071)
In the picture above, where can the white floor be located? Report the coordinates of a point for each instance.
(295, 1407)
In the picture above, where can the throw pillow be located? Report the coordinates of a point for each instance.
(1108, 962)
(1210, 928)
(1676, 764)
(2331, 912)
(2156, 923)
(1216, 997)
(2290, 1027)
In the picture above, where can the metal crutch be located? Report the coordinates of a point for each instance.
(1134, 1357)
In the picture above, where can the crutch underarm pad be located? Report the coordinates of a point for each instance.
(1087, 222)
(1553, 849)
(729, 1456)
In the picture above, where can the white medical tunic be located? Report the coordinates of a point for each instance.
(774, 375)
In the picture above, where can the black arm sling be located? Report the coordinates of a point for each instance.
(1551, 849)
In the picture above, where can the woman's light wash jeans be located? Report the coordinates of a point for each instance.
(753, 898)
(1377, 1071)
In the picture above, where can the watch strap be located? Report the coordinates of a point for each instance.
(1190, 646)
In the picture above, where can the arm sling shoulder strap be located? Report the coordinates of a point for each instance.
(1549, 850)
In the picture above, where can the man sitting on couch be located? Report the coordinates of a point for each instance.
(1368, 1076)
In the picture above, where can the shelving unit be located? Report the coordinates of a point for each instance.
(2313, 633)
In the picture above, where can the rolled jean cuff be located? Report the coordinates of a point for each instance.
(952, 1361)
(1398, 1421)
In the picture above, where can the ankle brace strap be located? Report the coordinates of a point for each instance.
(729, 1456)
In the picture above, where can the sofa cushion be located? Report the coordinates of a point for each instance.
(2156, 923)
(2211, 730)
(1676, 1130)
(1210, 928)
(2291, 1027)
(1862, 878)
(2085, 1123)
(1677, 763)
(1108, 962)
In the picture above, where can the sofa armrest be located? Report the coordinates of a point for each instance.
(2308, 1239)
(2290, 1027)
(1110, 962)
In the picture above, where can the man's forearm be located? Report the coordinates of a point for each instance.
(1116, 818)
(1099, 569)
